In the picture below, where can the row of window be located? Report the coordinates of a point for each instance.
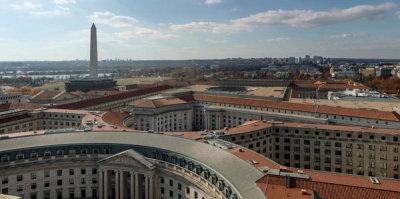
(48, 153)
(46, 174)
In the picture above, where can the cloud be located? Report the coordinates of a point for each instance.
(209, 2)
(293, 18)
(56, 12)
(397, 14)
(143, 33)
(279, 39)
(111, 19)
(346, 35)
(194, 26)
(341, 36)
(26, 6)
(64, 2)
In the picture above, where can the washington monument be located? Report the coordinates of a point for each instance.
(93, 53)
(93, 82)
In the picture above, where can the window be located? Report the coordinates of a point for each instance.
(47, 153)
(83, 171)
(171, 183)
(327, 152)
(33, 186)
(187, 190)
(162, 180)
(59, 172)
(20, 188)
(171, 193)
(19, 178)
(4, 180)
(34, 155)
(4, 158)
(20, 156)
(71, 172)
(59, 182)
(33, 176)
(327, 144)
(94, 170)
(179, 186)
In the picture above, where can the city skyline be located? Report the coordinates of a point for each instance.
(198, 29)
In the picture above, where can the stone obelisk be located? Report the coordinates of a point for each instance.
(93, 53)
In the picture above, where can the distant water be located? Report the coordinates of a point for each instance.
(56, 77)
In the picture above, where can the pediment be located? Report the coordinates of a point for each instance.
(129, 158)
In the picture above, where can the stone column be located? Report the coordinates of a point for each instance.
(101, 183)
(151, 194)
(136, 186)
(121, 185)
(105, 184)
(146, 186)
(132, 186)
(116, 184)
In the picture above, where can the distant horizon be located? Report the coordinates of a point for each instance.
(40, 30)
(119, 59)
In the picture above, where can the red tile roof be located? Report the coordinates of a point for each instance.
(25, 106)
(103, 92)
(135, 86)
(101, 100)
(341, 186)
(350, 112)
(115, 118)
(47, 95)
(156, 103)
(14, 118)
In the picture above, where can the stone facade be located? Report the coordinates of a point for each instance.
(350, 152)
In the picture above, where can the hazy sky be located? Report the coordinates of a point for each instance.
(192, 29)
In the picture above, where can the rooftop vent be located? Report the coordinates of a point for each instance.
(264, 168)
(304, 192)
(374, 180)
(300, 171)
(252, 162)
(241, 150)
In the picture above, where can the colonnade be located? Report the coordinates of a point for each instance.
(125, 185)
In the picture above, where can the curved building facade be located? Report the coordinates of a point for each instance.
(122, 165)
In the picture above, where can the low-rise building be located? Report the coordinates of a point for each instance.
(53, 97)
(6, 98)
(160, 114)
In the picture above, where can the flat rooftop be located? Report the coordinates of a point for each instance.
(263, 92)
(372, 105)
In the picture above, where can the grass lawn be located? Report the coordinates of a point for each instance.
(54, 85)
